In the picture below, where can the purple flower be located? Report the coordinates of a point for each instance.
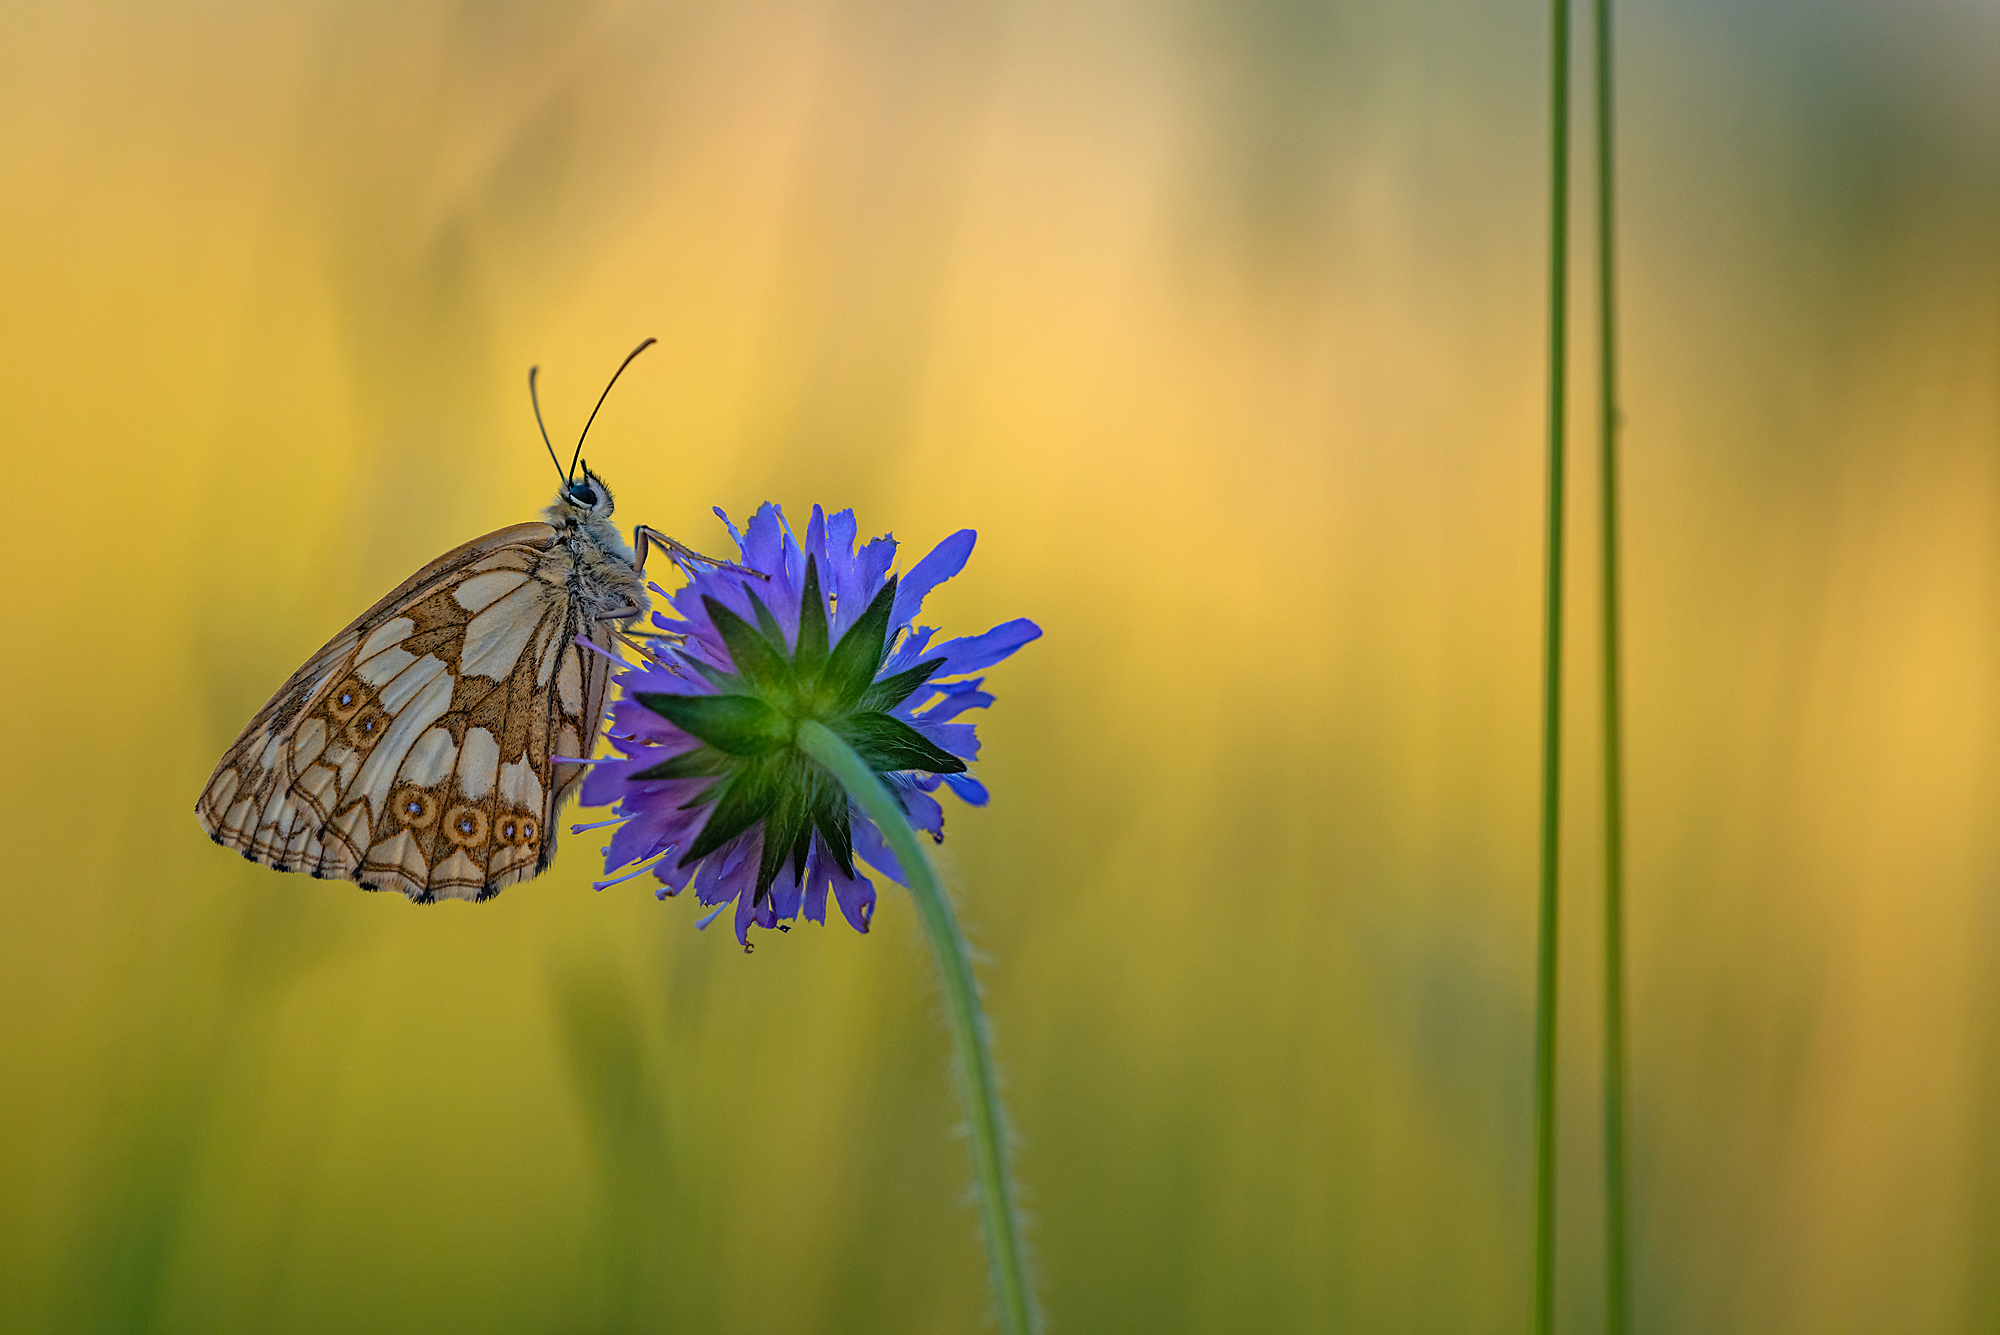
(711, 789)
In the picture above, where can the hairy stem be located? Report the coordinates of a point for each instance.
(977, 1080)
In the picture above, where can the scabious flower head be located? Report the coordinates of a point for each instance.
(712, 790)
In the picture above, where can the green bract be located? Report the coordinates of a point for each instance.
(748, 729)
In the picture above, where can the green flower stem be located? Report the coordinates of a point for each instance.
(978, 1082)
(1545, 971)
(1616, 1284)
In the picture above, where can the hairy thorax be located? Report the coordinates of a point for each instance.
(604, 573)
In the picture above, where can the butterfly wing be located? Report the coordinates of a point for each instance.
(414, 751)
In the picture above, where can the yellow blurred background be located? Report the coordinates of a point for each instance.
(1222, 321)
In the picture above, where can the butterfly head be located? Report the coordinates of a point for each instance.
(586, 496)
(582, 499)
(582, 511)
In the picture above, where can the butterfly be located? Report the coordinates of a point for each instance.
(428, 747)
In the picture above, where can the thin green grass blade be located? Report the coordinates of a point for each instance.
(1545, 970)
(1617, 1299)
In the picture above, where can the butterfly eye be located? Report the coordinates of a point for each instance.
(583, 494)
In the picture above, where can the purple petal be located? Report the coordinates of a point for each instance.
(604, 784)
(606, 781)
(856, 894)
(980, 651)
(871, 848)
(925, 813)
(672, 876)
(730, 870)
(907, 653)
(945, 560)
(785, 895)
(856, 898)
(968, 789)
(961, 739)
(841, 531)
(750, 912)
(820, 869)
(863, 580)
(774, 551)
(765, 548)
(642, 734)
(730, 524)
(816, 541)
(839, 579)
(823, 565)
(957, 697)
(657, 822)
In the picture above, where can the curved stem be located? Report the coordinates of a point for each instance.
(978, 1082)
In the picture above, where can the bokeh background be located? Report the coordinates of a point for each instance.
(1222, 321)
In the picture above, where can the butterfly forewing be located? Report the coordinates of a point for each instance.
(414, 752)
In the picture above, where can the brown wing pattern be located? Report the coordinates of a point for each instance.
(413, 752)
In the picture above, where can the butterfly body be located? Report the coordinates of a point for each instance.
(420, 749)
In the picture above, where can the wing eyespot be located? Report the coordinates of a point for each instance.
(414, 807)
(516, 829)
(366, 727)
(346, 702)
(465, 826)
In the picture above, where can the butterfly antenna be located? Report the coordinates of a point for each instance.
(538, 422)
(600, 401)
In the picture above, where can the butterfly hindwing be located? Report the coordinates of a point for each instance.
(413, 752)
(582, 681)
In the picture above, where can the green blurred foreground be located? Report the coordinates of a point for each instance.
(1222, 323)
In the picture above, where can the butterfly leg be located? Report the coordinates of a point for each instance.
(620, 614)
(682, 552)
